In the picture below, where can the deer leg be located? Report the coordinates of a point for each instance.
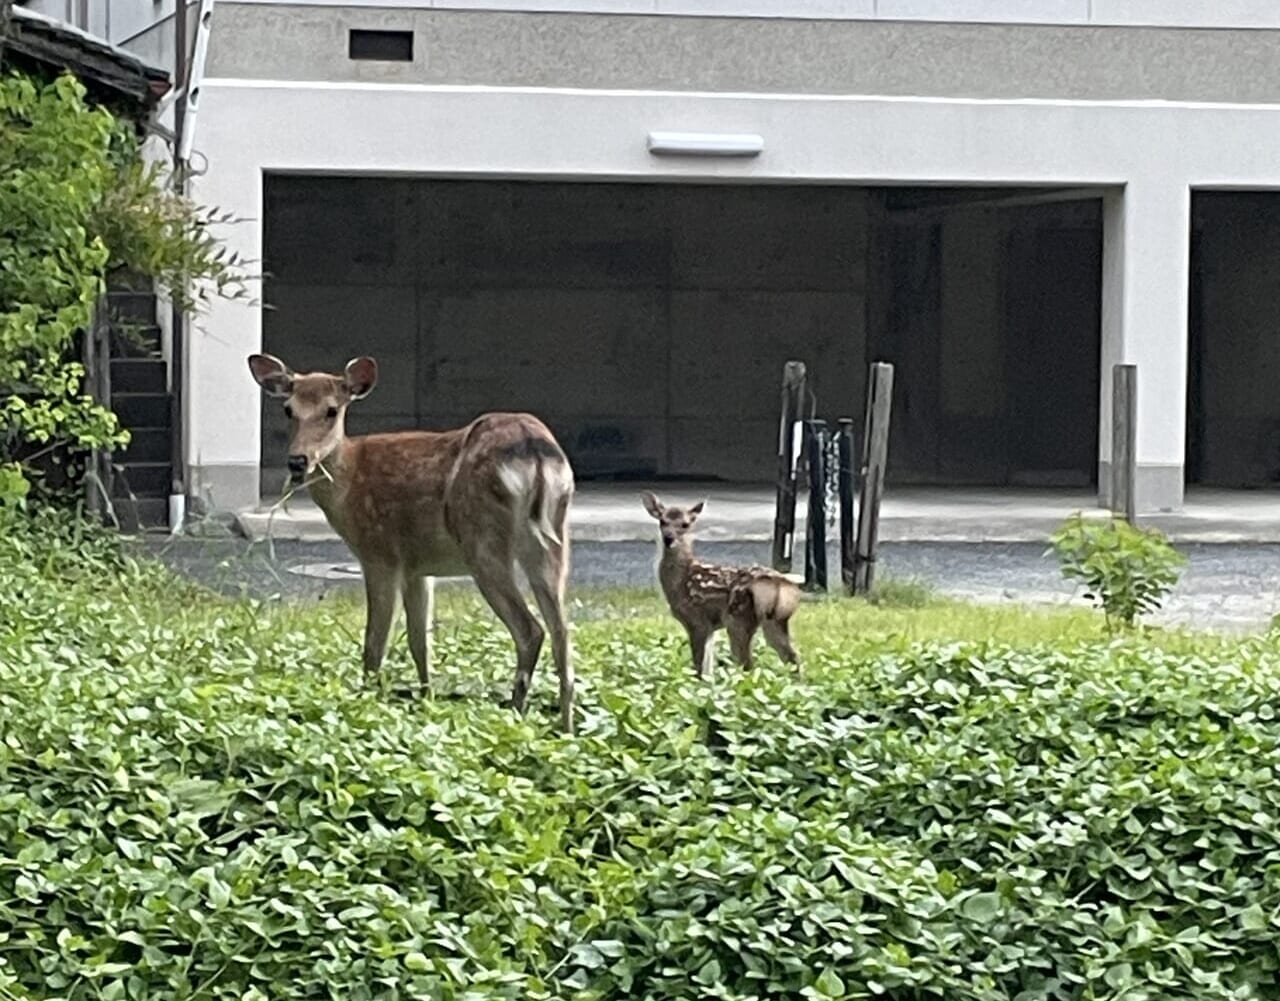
(498, 586)
(548, 571)
(380, 607)
(703, 648)
(741, 634)
(418, 594)
(778, 636)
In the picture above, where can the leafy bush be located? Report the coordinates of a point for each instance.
(197, 800)
(1126, 571)
(77, 204)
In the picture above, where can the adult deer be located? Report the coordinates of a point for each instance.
(478, 500)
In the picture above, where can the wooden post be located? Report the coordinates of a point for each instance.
(784, 522)
(815, 538)
(1124, 432)
(876, 436)
(846, 480)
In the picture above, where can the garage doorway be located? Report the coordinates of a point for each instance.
(648, 323)
(1233, 409)
(990, 308)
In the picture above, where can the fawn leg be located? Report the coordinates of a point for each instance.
(702, 647)
(741, 634)
(778, 635)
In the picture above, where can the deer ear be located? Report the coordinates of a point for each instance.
(271, 374)
(697, 508)
(361, 376)
(651, 503)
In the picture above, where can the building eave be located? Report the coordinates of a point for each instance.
(111, 74)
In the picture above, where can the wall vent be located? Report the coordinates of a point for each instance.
(382, 46)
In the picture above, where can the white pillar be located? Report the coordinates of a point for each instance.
(224, 404)
(1146, 273)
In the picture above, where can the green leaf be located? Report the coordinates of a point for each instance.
(829, 984)
(709, 974)
(585, 954)
(1119, 975)
(981, 907)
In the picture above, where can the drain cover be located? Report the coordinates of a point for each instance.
(344, 571)
(328, 571)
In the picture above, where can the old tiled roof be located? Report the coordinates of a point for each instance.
(111, 74)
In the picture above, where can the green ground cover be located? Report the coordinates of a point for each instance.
(199, 800)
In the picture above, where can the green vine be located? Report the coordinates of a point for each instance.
(78, 202)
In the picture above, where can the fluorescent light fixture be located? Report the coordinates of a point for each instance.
(704, 144)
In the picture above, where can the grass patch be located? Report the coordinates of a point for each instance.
(198, 800)
(890, 593)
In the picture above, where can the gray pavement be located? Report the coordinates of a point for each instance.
(1230, 587)
(611, 512)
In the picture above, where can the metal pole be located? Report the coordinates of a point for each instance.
(177, 321)
(194, 80)
(815, 544)
(847, 483)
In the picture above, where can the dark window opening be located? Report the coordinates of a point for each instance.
(389, 46)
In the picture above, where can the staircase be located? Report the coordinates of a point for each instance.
(140, 398)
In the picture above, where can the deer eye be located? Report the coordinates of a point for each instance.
(331, 413)
(288, 411)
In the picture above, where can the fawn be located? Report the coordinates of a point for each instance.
(705, 597)
(478, 499)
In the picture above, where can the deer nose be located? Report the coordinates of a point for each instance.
(297, 464)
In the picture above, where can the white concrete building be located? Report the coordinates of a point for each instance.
(1004, 197)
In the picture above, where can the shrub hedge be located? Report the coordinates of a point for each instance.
(198, 801)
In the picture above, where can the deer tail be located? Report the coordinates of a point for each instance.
(549, 506)
(542, 487)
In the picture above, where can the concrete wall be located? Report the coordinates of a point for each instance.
(121, 19)
(1146, 157)
(648, 324)
(1171, 13)
(503, 48)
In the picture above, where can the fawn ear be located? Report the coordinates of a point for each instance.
(697, 508)
(271, 374)
(651, 503)
(361, 376)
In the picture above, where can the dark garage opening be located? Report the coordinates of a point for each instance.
(1233, 407)
(648, 323)
(989, 304)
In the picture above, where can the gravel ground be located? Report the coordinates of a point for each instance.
(1228, 587)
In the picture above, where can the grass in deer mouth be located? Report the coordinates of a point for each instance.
(199, 799)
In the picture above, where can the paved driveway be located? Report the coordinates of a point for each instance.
(1230, 587)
